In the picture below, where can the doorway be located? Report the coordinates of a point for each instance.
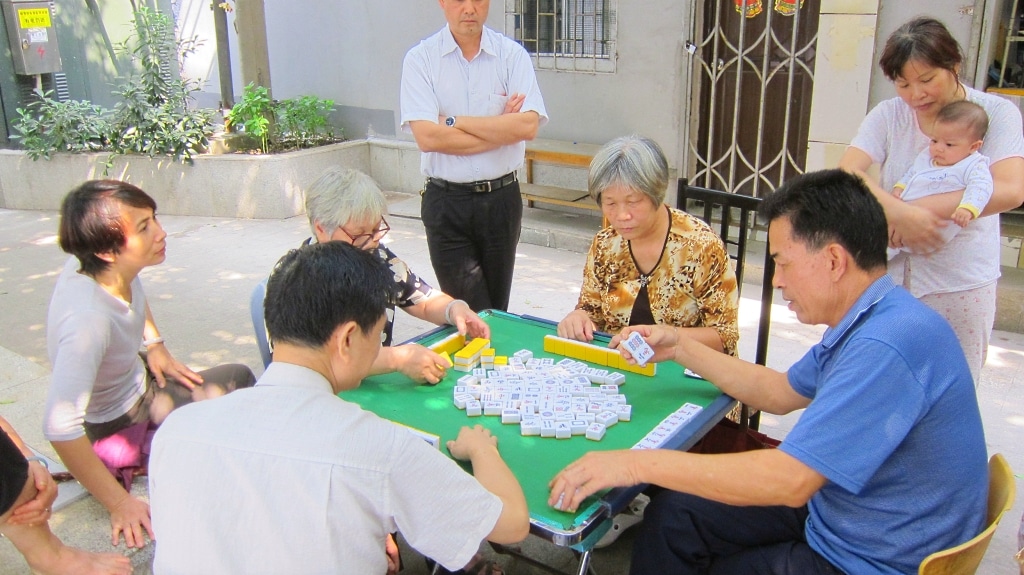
(751, 73)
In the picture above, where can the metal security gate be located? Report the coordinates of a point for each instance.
(751, 75)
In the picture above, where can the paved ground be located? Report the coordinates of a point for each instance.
(200, 299)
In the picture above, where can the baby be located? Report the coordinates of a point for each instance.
(950, 163)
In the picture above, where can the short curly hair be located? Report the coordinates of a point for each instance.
(632, 161)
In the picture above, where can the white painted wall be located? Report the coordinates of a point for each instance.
(195, 20)
(352, 51)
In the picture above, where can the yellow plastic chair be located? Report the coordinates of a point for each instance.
(965, 558)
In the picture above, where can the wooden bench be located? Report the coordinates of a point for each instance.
(558, 153)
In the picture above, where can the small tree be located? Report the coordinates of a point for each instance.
(154, 117)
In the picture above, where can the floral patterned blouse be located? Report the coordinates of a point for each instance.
(693, 285)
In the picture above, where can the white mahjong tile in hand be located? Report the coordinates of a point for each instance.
(638, 348)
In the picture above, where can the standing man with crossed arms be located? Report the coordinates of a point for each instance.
(470, 99)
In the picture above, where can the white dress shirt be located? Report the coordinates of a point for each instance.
(286, 477)
(438, 81)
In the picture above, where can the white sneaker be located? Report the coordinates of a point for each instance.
(633, 514)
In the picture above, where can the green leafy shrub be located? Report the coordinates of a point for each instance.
(281, 125)
(303, 121)
(152, 118)
(49, 126)
(252, 115)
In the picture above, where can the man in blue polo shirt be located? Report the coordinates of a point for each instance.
(886, 465)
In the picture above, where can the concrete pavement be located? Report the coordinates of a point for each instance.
(200, 299)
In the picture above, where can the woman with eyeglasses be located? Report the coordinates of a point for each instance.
(347, 205)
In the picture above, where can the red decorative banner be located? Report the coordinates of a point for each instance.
(788, 7)
(749, 8)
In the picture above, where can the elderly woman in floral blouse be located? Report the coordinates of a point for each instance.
(653, 264)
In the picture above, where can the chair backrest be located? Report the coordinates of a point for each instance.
(259, 293)
(965, 558)
(735, 233)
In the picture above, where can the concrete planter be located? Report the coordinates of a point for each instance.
(230, 185)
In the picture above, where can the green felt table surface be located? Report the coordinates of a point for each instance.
(534, 460)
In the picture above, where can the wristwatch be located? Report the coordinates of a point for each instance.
(449, 121)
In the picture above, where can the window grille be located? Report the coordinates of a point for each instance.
(573, 35)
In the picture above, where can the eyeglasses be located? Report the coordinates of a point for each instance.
(360, 240)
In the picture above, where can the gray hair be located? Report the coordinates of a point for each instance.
(342, 195)
(632, 161)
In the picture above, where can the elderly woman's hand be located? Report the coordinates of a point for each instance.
(466, 321)
(577, 325)
(419, 363)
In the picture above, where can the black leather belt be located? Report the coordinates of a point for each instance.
(481, 186)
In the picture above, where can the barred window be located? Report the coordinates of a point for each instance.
(576, 35)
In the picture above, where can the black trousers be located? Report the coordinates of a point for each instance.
(13, 472)
(472, 237)
(683, 533)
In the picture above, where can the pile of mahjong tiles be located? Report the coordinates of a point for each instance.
(545, 398)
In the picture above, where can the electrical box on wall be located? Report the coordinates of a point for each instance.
(32, 36)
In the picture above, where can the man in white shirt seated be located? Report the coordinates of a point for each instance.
(287, 477)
